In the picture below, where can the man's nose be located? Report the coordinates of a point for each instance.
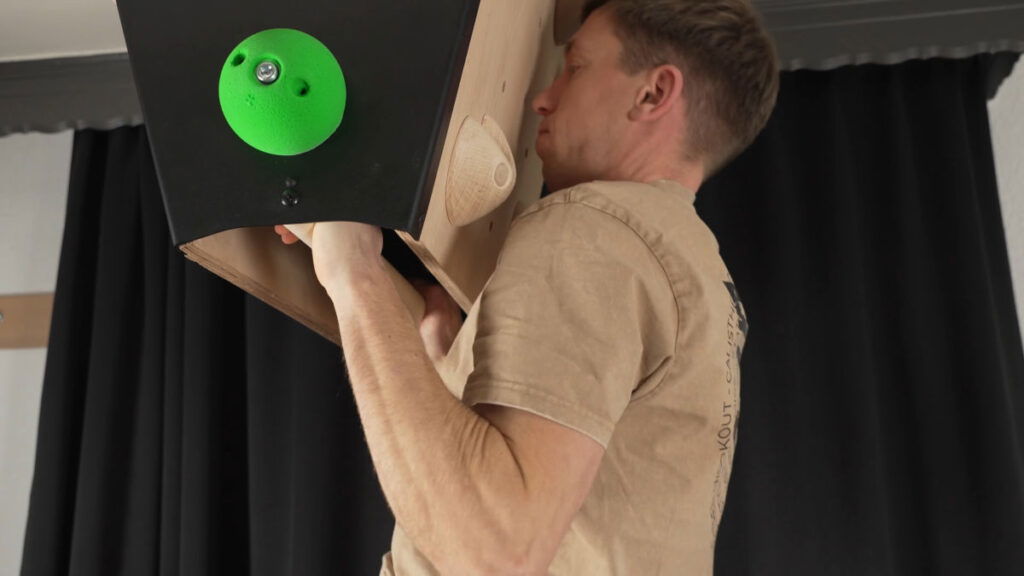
(543, 103)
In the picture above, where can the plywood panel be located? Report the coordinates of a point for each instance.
(512, 56)
(255, 260)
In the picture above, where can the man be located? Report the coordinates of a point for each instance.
(599, 370)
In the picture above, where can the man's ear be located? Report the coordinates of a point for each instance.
(661, 91)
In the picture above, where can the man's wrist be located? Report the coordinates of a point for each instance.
(349, 282)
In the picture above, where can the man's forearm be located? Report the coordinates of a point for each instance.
(451, 478)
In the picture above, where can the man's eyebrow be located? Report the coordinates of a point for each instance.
(570, 46)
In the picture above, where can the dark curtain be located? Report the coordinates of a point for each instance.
(189, 429)
(883, 381)
(186, 428)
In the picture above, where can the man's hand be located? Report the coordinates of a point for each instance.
(341, 250)
(442, 317)
(286, 236)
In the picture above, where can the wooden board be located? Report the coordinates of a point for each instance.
(255, 260)
(26, 320)
(512, 57)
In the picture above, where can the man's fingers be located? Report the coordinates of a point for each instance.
(433, 294)
(286, 236)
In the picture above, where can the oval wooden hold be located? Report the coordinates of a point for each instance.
(482, 173)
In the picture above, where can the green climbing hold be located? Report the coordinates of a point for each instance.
(282, 92)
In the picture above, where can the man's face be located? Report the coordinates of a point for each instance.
(585, 128)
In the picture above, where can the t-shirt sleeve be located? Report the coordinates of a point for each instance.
(564, 322)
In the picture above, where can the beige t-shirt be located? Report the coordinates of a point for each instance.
(611, 312)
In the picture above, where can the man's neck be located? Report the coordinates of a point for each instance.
(641, 168)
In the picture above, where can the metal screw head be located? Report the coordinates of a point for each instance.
(267, 72)
(289, 198)
(1, 317)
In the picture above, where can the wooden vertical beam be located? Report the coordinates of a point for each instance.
(25, 321)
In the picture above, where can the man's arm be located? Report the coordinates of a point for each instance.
(487, 492)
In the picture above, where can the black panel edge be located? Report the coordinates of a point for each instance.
(429, 176)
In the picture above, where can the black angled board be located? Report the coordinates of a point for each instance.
(402, 61)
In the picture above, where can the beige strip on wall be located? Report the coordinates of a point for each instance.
(25, 320)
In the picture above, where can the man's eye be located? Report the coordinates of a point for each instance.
(572, 68)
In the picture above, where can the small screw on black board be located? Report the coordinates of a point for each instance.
(289, 198)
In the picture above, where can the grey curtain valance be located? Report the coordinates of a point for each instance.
(826, 34)
(98, 91)
(68, 94)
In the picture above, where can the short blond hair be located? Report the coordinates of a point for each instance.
(726, 55)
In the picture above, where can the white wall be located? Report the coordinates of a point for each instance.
(32, 206)
(1007, 118)
(36, 29)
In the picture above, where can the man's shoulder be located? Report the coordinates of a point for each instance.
(581, 212)
(591, 225)
(638, 204)
(647, 209)
(602, 195)
(660, 216)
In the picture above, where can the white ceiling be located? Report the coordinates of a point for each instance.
(36, 29)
